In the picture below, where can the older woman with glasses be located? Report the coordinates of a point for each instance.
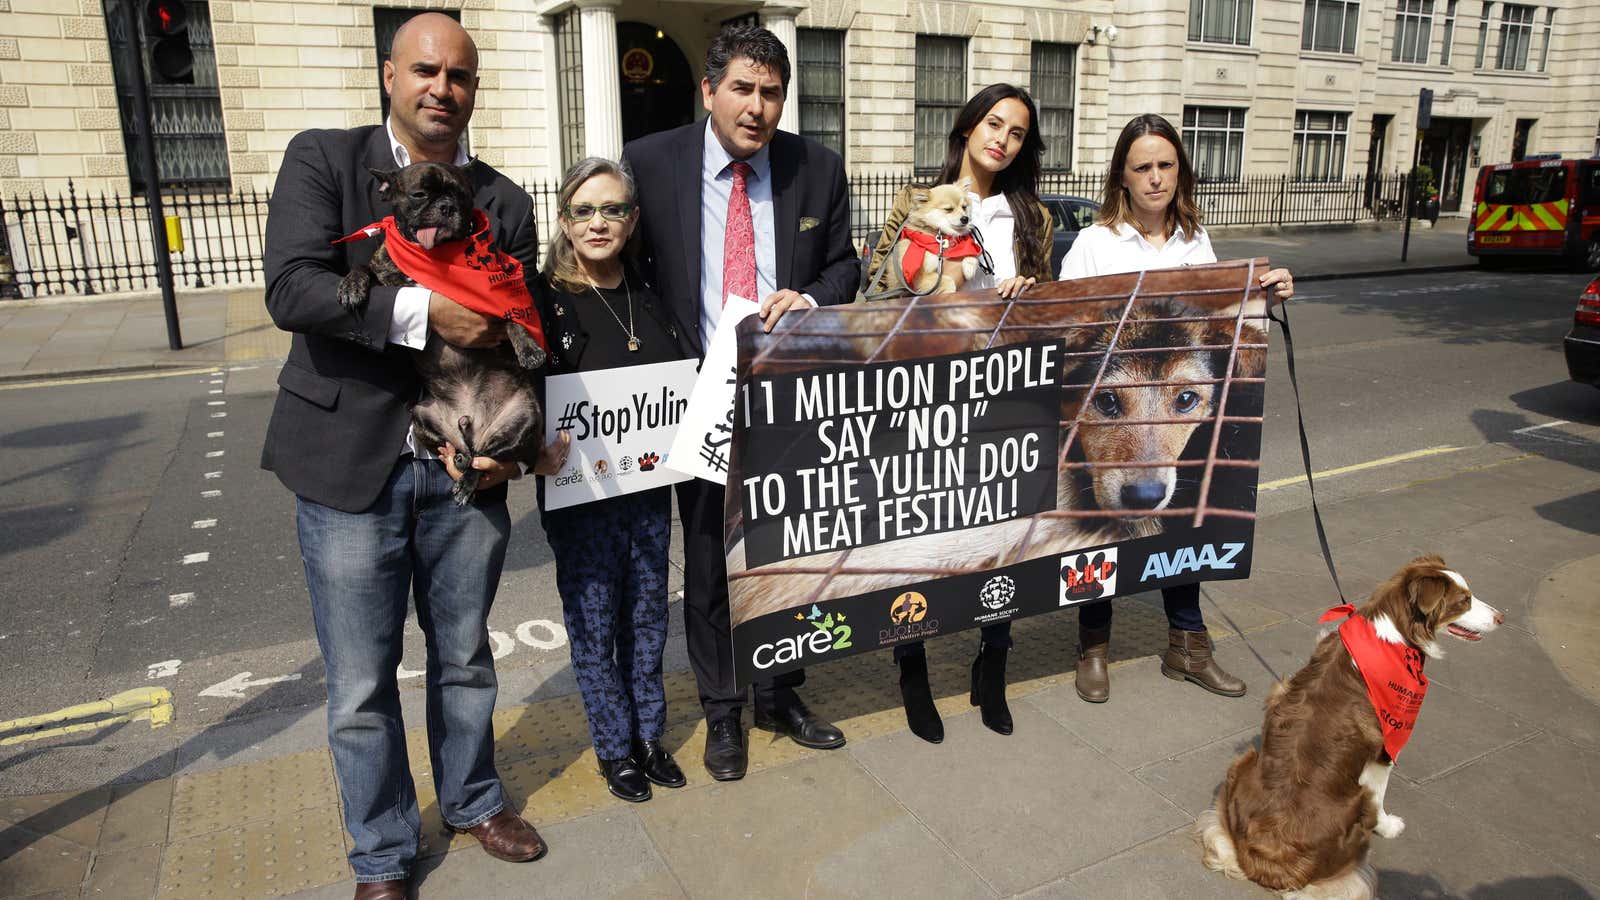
(611, 554)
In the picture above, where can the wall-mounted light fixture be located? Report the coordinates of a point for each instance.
(1095, 32)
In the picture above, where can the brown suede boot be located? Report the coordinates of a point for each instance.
(1094, 682)
(1188, 658)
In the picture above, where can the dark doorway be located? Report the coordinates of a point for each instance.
(1519, 139)
(1444, 148)
(1375, 148)
(658, 87)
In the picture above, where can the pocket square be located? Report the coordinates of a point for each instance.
(807, 223)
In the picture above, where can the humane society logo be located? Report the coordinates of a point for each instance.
(1088, 578)
(908, 620)
(996, 595)
(827, 632)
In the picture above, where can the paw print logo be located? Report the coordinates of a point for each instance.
(1088, 578)
(647, 462)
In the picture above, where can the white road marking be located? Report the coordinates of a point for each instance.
(210, 476)
(178, 601)
(1538, 427)
(236, 686)
(219, 415)
(401, 671)
(204, 523)
(502, 644)
(216, 403)
(190, 559)
(213, 434)
(213, 454)
(558, 634)
(214, 390)
(209, 494)
(1370, 464)
(164, 669)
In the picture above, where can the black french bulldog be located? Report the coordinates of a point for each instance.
(482, 402)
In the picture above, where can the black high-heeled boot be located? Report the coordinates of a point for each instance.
(989, 687)
(921, 714)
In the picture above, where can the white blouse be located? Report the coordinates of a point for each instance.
(1099, 250)
(992, 217)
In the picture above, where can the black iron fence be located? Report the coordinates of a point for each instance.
(72, 243)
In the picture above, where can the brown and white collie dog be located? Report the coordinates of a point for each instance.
(1297, 816)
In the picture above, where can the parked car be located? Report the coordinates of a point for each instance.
(1070, 215)
(1540, 206)
(1583, 342)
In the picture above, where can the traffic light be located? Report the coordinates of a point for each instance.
(167, 42)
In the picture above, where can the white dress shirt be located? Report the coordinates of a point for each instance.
(716, 186)
(409, 325)
(993, 219)
(1099, 250)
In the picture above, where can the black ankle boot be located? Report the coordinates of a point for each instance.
(989, 687)
(921, 714)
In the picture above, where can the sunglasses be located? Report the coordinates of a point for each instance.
(583, 212)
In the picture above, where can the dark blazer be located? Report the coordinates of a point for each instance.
(566, 336)
(808, 181)
(345, 393)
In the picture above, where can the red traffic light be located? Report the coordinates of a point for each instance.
(166, 17)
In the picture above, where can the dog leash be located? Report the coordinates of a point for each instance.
(1305, 446)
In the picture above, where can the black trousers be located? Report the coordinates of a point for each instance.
(706, 623)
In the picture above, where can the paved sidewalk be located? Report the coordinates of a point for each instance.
(1499, 786)
(76, 335)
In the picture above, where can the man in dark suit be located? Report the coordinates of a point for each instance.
(374, 514)
(768, 219)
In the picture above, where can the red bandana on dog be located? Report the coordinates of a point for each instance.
(1393, 673)
(923, 243)
(472, 272)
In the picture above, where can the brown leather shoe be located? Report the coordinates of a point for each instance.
(1093, 682)
(507, 836)
(383, 890)
(1188, 658)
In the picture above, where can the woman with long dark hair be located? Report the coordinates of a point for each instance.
(1149, 220)
(995, 144)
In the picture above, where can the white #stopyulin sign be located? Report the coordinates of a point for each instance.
(622, 423)
(706, 433)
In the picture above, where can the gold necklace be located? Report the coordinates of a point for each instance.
(633, 339)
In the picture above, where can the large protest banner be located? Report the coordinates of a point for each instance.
(908, 468)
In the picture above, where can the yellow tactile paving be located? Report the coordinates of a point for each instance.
(214, 801)
(262, 859)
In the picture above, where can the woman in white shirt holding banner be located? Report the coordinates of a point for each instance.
(1149, 220)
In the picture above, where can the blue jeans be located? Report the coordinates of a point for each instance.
(1182, 602)
(360, 568)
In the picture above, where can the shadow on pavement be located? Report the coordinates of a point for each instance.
(1393, 885)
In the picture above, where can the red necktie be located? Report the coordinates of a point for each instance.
(739, 241)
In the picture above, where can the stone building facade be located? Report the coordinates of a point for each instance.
(1309, 88)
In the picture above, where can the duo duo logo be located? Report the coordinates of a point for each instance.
(908, 618)
(828, 632)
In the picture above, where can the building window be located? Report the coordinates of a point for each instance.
(569, 85)
(1483, 34)
(1220, 21)
(1413, 23)
(1215, 138)
(1051, 79)
(1319, 142)
(821, 78)
(185, 109)
(1329, 26)
(940, 90)
(1544, 49)
(1516, 32)
(1449, 33)
(385, 22)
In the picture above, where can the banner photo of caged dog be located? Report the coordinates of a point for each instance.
(907, 468)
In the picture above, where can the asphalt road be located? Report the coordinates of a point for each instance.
(140, 544)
